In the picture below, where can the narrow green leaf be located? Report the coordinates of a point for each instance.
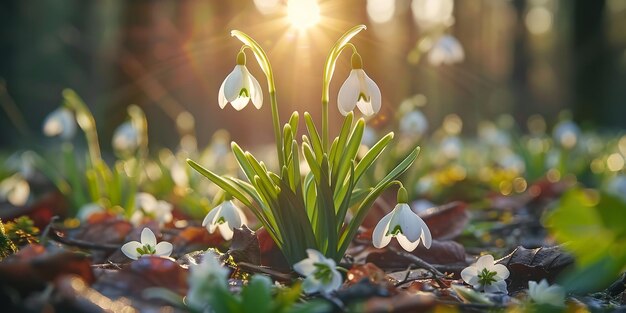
(316, 142)
(341, 144)
(371, 156)
(349, 155)
(294, 120)
(220, 182)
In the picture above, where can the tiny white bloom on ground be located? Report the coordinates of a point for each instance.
(225, 217)
(359, 90)
(240, 87)
(146, 206)
(147, 246)
(446, 50)
(485, 275)
(60, 122)
(543, 293)
(403, 224)
(14, 189)
(320, 273)
(203, 279)
(126, 138)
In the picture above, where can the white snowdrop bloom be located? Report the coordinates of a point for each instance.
(566, 133)
(179, 175)
(126, 138)
(240, 87)
(413, 123)
(403, 224)
(492, 135)
(87, 210)
(60, 122)
(22, 162)
(543, 293)
(148, 246)
(320, 273)
(446, 50)
(225, 217)
(359, 90)
(203, 279)
(486, 275)
(146, 206)
(432, 13)
(14, 189)
(512, 161)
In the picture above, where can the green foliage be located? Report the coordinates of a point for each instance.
(591, 224)
(22, 231)
(7, 247)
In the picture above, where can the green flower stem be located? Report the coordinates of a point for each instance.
(139, 121)
(87, 123)
(329, 68)
(264, 63)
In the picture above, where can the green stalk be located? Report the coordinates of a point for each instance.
(264, 63)
(139, 121)
(87, 123)
(329, 69)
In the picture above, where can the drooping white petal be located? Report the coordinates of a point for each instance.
(426, 236)
(130, 249)
(371, 90)
(311, 285)
(145, 202)
(335, 283)
(233, 84)
(317, 256)
(221, 96)
(380, 238)
(406, 244)
(226, 231)
(148, 237)
(163, 248)
(256, 93)
(497, 286)
(209, 219)
(408, 221)
(485, 261)
(470, 275)
(231, 215)
(60, 122)
(348, 93)
(501, 271)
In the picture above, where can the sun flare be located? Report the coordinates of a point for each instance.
(303, 14)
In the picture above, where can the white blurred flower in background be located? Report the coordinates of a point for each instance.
(446, 50)
(413, 123)
(566, 133)
(126, 138)
(432, 13)
(15, 190)
(146, 206)
(60, 122)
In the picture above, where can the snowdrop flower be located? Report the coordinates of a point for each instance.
(60, 122)
(566, 133)
(204, 278)
(240, 86)
(359, 90)
(225, 217)
(147, 246)
(451, 147)
(431, 13)
(146, 206)
(543, 293)
(414, 123)
(126, 138)
(320, 273)
(485, 275)
(14, 189)
(408, 228)
(446, 50)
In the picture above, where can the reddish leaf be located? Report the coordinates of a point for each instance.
(107, 231)
(403, 302)
(440, 252)
(195, 238)
(34, 266)
(370, 272)
(446, 221)
(147, 271)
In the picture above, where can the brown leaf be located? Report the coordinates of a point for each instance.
(106, 231)
(32, 267)
(194, 238)
(370, 272)
(403, 302)
(440, 252)
(147, 271)
(245, 246)
(535, 264)
(446, 221)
